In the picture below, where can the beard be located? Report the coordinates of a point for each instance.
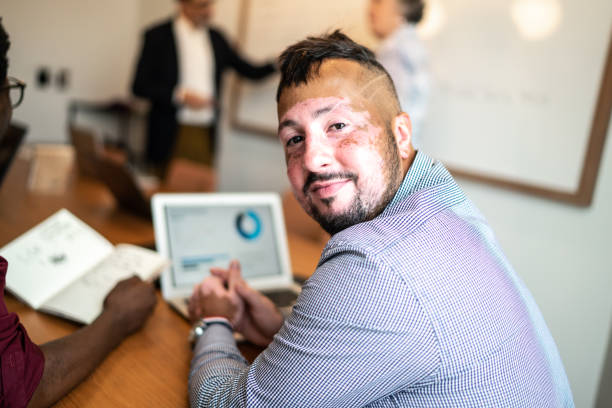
(334, 223)
(359, 210)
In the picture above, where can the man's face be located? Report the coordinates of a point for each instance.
(199, 12)
(5, 110)
(342, 160)
(385, 17)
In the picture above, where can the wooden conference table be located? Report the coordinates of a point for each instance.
(149, 368)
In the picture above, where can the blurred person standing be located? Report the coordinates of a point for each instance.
(179, 72)
(403, 55)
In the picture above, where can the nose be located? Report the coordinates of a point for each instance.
(318, 153)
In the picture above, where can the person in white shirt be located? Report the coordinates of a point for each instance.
(403, 55)
(179, 72)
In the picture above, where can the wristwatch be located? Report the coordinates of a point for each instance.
(199, 327)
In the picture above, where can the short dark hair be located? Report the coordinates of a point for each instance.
(4, 46)
(413, 10)
(301, 62)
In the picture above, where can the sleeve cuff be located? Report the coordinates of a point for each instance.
(214, 334)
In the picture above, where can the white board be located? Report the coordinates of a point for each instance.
(509, 104)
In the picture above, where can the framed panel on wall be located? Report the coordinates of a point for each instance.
(521, 89)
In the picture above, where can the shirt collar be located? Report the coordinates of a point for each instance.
(425, 172)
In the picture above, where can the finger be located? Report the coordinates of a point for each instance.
(234, 276)
(212, 283)
(221, 273)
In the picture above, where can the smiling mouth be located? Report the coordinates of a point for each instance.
(317, 180)
(327, 188)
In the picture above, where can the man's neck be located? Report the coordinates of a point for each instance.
(407, 162)
(189, 22)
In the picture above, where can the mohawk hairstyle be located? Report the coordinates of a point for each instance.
(4, 46)
(301, 62)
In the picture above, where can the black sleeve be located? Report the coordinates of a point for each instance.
(234, 60)
(147, 82)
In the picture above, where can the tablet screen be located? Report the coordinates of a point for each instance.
(200, 237)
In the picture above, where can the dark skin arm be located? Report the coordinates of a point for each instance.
(69, 360)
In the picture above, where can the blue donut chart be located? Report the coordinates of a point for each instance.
(250, 233)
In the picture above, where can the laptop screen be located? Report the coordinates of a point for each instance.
(200, 237)
(199, 231)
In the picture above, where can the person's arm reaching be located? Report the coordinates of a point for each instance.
(70, 359)
(241, 65)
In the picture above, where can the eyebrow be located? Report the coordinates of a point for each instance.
(286, 123)
(316, 114)
(322, 111)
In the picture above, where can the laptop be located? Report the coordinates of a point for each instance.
(86, 149)
(122, 183)
(115, 174)
(9, 147)
(199, 231)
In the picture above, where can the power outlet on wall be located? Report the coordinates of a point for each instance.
(62, 79)
(43, 77)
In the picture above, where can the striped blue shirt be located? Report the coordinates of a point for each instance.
(415, 308)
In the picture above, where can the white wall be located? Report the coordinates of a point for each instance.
(94, 40)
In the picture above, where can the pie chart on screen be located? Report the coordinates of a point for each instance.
(248, 224)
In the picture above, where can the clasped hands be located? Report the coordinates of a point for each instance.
(225, 294)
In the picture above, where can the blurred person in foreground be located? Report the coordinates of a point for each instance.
(403, 55)
(38, 376)
(412, 304)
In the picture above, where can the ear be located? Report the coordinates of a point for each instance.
(402, 130)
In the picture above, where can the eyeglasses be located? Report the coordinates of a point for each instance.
(16, 89)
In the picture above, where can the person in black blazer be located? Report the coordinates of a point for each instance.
(157, 77)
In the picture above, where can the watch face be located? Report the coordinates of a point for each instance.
(196, 331)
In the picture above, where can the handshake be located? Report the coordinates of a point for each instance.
(225, 294)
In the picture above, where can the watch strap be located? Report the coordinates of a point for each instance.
(201, 325)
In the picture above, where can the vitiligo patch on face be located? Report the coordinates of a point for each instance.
(314, 116)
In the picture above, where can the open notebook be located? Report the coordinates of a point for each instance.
(199, 231)
(64, 267)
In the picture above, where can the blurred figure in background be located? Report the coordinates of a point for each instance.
(403, 55)
(179, 72)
